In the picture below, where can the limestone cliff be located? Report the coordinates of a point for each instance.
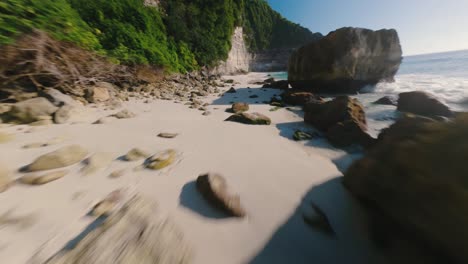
(239, 57)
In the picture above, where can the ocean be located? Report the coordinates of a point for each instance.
(445, 75)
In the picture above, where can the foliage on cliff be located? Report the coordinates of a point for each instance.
(180, 35)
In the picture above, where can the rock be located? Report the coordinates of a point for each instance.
(422, 103)
(206, 113)
(64, 114)
(31, 110)
(282, 85)
(136, 154)
(301, 135)
(124, 114)
(96, 162)
(229, 81)
(60, 158)
(167, 135)
(343, 120)
(414, 184)
(239, 108)
(250, 119)
(253, 96)
(34, 145)
(99, 93)
(44, 122)
(136, 233)
(58, 98)
(117, 174)
(317, 219)
(346, 60)
(5, 137)
(5, 178)
(107, 205)
(295, 97)
(42, 179)
(214, 189)
(105, 120)
(4, 108)
(161, 160)
(232, 90)
(386, 100)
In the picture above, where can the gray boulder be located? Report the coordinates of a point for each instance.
(31, 110)
(346, 60)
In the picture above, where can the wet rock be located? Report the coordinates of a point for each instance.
(96, 162)
(250, 119)
(31, 110)
(42, 179)
(60, 158)
(136, 154)
(346, 60)
(343, 120)
(136, 233)
(214, 189)
(6, 180)
(295, 97)
(318, 220)
(124, 114)
(422, 103)
(239, 108)
(167, 135)
(386, 100)
(414, 185)
(161, 160)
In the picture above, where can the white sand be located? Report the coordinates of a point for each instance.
(272, 174)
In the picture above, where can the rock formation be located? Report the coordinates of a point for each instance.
(239, 57)
(414, 181)
(422, 103)
(346, 60)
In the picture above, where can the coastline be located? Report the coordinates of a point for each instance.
(275, 177)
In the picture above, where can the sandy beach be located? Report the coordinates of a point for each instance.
(275, 177)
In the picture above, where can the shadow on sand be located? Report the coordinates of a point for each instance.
(296, 242)
(190, 198)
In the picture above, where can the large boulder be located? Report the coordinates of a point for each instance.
(346, 60)
(31, 110)
(422, 103)
(297, 97)
(415, 183)
(101, 92)
(343, 121)
(214, 189)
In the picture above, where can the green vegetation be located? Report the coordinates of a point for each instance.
(180, 35)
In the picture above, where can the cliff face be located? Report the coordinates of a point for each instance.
(239, 57)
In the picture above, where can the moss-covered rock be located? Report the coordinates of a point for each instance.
(161, 160)
(415, 179)
(250, 119)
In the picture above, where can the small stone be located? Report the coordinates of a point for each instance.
(167, 135)
(301, 135)
(4, 137)
(316, 218)
(250, 119)
(124, 114)
(60, 158)
(206, 113)
(99, 93)
(161, 160)
(117, 174)
(107, 205)
(96, 162)
(105, 120)
(253, 96)
(42, 179)
(34, 145)
(232, 90)
(136, 154)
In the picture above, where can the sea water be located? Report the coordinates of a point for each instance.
(445, 75)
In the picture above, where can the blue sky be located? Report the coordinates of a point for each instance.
(424, 26)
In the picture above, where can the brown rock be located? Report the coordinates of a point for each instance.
(214, 189)
(386, 100)
(295, 97)
(99, 93)
(124, 114)
(167, 135)
(422, 103)
(342, 119)
(250, 119)
(42, 179)
(239, 108)
(62, 157)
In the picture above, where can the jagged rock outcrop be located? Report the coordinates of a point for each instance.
(346, 60)
(414, 183)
